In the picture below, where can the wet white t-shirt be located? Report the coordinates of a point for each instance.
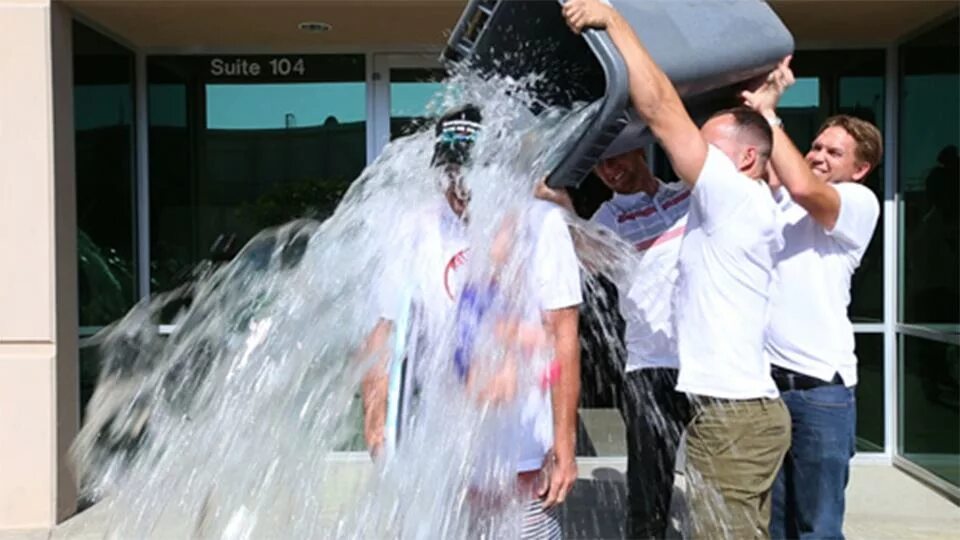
(427, 270)
(433, 279)
(722, 296)
(809, 331)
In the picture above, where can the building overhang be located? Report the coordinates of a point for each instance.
(273, 25)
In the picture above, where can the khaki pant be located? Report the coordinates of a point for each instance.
(734, 450)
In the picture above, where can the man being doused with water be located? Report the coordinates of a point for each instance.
(483, 311)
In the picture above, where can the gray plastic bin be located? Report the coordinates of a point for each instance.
(708, 48)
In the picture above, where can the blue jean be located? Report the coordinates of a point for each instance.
(808, 494)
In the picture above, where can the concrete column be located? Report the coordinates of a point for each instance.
(39, 401)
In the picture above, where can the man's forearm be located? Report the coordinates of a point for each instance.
(658, 103)
(565, 394)
(566, 397)
(651, 91)
(374, 397)
(373, 391)
(375, 353)
(791, 169)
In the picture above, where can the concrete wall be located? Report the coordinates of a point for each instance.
(38, 306)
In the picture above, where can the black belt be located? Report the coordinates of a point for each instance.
(787, 380)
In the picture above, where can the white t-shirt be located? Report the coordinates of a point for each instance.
(722, 295)
(433, 281)
(809, 331)
(430, 275)
(654, 226)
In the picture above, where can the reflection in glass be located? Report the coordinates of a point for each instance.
(271, 106)
(929, 401)
(411, 93)
(89, 372)
(230, 156)
(929, 179)
(805, 93)
(870, 390)
(800, 110)
(172, 168)
(104, 149)
(863, 97)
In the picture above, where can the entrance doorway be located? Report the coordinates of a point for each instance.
(403, 87)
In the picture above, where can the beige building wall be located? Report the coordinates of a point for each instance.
(38, 305)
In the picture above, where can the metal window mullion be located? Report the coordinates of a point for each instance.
(929, 334)
(891, 243)
(380, 83)
(869, 328)
(931, 480)
(370, 87)
(89, 330)
(142, 177)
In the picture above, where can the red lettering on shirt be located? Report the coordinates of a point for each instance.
(455, 262)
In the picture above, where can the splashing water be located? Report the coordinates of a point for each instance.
(227, 428)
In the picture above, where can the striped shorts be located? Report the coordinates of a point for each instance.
(540, 523)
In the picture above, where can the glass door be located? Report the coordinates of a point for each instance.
(403, 87)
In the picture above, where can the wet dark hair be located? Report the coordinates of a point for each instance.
(456, 133)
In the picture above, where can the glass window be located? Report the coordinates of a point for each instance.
(103, 95)
(929, 397)
(863, 97)
(870, 390)
(804, 94)
(800, 110)
(103, 104)
(411, 93)
(929, 179)
(240, 143)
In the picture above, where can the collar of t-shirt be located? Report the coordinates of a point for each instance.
(625, 202)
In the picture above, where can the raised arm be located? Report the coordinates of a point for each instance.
(816, 196)
(652, 93)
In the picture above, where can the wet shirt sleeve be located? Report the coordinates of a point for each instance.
(859, 212)
(556, 270)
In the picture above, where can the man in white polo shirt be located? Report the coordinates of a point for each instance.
(741, 429)
(830, 217)
(650, 215)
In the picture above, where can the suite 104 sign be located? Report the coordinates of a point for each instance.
(280, 66)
